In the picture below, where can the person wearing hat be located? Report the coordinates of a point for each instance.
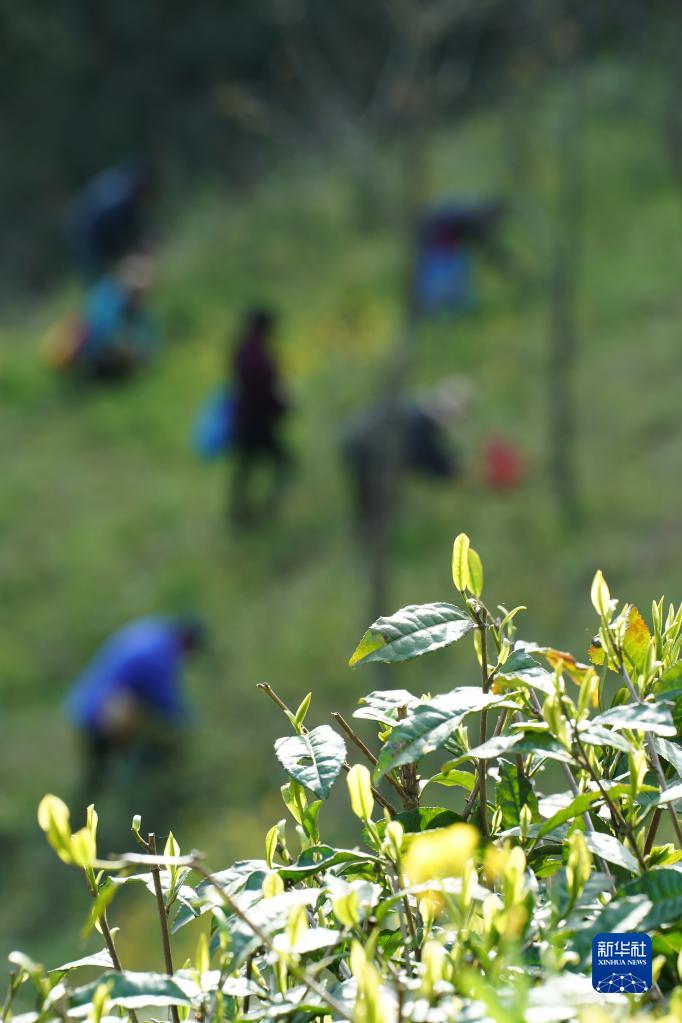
(131, 693)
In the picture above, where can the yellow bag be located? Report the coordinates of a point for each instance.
(60, 344)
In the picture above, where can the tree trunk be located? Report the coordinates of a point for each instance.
(563, 298)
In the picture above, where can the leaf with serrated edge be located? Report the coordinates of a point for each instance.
(384, 705)
(430, 725)
(609, 848)
(414, 630)
(314, 759)
(521, 667)
(639, 717)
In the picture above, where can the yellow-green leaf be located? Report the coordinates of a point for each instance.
(346, 909)
(54, 819)
(460, 562)
(637, 640)
(272, 885)
(475, 572)
(368, 645)
(83, 850)
(300, 714)
(91, 820)
(600, 595)
(360, 789)
(271, 845)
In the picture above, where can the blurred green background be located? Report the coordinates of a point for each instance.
(106, 514)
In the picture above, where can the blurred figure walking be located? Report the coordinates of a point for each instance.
(129, 702)
(258, 410)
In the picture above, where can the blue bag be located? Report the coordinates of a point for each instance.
(445, 280)
(213, 426)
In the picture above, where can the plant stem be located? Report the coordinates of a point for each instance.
(299, 972)
(401, 1002)
(589, 826)
(483, 734)
(664, 785)
(266, 688)
(499, 728)
(409, 778)
(572, 784)
(613, 809)
(163, 919)
(653, 828)
(269, 691)
(249, 975)
(410, 923)
(404, 914)
(653, 755)
(357, 741)
(11, 992)
(108, 939)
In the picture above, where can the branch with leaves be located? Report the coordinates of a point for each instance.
(420, 907)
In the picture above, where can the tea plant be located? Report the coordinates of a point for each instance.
(481, 905)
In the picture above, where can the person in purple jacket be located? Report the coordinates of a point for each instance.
(131, 693)
(258, 411)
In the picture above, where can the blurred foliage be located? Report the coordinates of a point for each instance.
(217, 89)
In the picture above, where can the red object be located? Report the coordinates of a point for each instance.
(504, 466)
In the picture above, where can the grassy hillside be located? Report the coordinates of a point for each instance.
(106, 514)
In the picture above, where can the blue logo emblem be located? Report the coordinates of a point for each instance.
(621, 963)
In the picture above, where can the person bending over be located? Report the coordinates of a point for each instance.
(129, 702)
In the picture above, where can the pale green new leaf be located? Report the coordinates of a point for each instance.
(384, 705)
(452, 779)
(475, 572)
(521, 667)
(598, 735)
(609, 848)
(639, 717)
(101, 959)
(310, 940)
(671, 752)
(460, 563)
(671, 795)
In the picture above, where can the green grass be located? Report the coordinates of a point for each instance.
(106, 515)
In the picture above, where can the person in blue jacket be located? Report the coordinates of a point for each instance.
(118, 335)
(132, 689)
